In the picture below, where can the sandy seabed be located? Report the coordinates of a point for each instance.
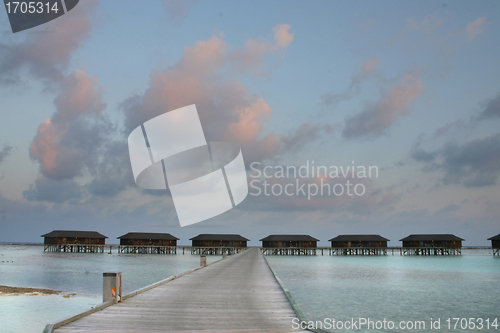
(12, 291)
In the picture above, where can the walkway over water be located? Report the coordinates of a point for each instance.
(238, 294)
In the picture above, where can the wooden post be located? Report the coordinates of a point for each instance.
(112, 287)
(203, 261)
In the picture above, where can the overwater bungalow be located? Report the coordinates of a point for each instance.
(495, 244)
(218, 243)
(148, 238)
(434, 244)
(359, 241)
(359, 245)
(289, 245)
(74, 241)
(148, 243)
(219, 240)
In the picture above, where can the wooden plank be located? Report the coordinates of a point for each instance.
(238, 294)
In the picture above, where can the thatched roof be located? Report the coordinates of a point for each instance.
(74, 233)
(431, 237)
(289, 238)
(219, 237)
(148, 235)
(497, 237)
(358, 238)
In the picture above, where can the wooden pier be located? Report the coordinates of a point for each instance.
(237, 294)
(74, 248)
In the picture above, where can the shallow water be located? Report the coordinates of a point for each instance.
(395, 288)
(80, 273)
(341, 287)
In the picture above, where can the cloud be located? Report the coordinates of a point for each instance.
(428, 25)
(492, 110)
(286, 191)
(47, 54)
(113, 174)
(6, 150)
(437, 32)
(458, 126)
(79, 141)
(282, 36)
(178, 9)
(251, 56)
(228, 111)
(475, 28)
(68, 142)
(375, 120)
(420, 155)
(55, 191)
(448, 209)
(306, 133)
(367, 69)
(475, 163)
(414, 28)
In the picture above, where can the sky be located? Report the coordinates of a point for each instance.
(410, 88)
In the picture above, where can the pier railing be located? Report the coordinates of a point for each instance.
(143, 249)
(291, 251)
(74, 248)
(147, 249)
(204, 250)
(430, 251)
(284, 251)
(360, 251)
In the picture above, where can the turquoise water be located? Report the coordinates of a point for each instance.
(341, 287)
(80, 273)
(395, 288)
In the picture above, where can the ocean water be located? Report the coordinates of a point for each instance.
(395, 288)
(80, 273)
(326, 287)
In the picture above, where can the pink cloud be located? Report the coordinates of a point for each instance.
(428, 25)
(66, 143)
(369, 67)
(251, 56)
(47, 54)
(228, 111)
(475, 28)
(375, 120)
(178, 8)
(282, 36)
(250, 121)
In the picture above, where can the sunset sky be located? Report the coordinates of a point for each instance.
(412, 87)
